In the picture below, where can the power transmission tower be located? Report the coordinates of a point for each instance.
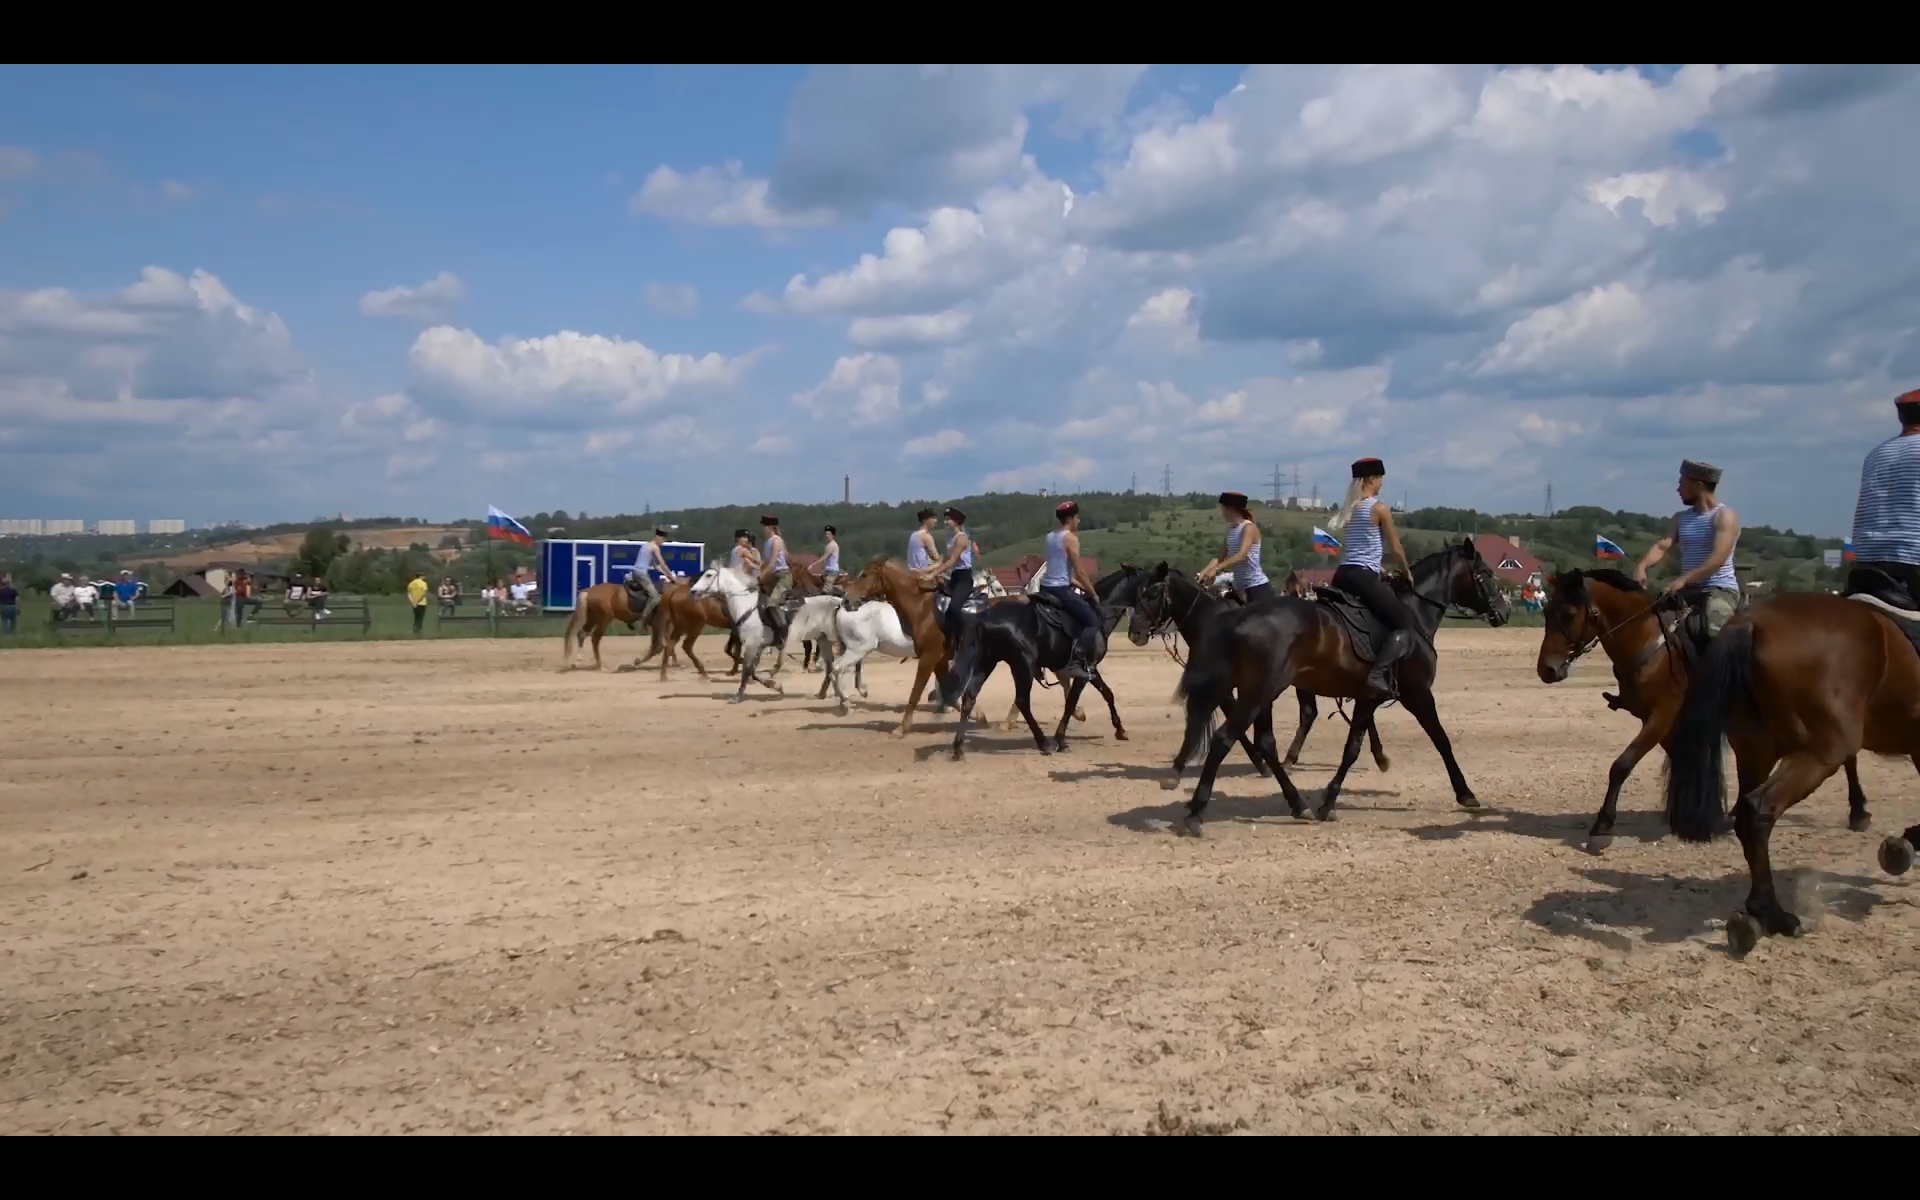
(1133, 482)
(1293, 494)
(1549, 511)
(1273, 497)
(1166, 481)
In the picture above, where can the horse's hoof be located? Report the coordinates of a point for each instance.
(1301, 814)
(959, 755)
(1291, 760)
(1468, 801)
(1743, 934)
(735, 699)
(1119, 735)
(1860, 824)
(1059, 745)
(1597, 843)
(1326, 813)
(1896, 856)
(1384, 763)
(1188, 828)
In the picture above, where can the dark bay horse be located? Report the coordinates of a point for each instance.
(1653, 655)
(1015, 633)
(1247, 657)
(1797, 686)
(1170, 600)
(682, 617)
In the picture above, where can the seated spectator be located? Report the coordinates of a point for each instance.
(244, 597)
(60, 596)
(296, 593)
(317, 598)
(86, 597)
(126, 590)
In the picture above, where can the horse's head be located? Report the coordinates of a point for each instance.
(1151, 612)
(1472, 585)
(1572, 625)
(722, 579)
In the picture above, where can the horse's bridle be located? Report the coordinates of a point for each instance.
(1167, 624)
(1592, 613)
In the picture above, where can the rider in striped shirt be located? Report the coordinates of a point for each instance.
(1886, 522)
(957, 566)
(1706, 532)
(1241, 553)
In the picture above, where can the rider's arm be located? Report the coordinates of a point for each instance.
(952, 557)
(1071, 543)
(1383, 517)
(1217, 562)
(1655, 553)
(1726, 527)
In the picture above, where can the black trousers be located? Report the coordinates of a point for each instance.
(959, 589)
(1906, 573)
(1260, 591)
(1375, 594)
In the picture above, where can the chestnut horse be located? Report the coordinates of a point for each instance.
(1652, 654)
(682, 617)
(912, 598)
(1797, 686)
(593, 611)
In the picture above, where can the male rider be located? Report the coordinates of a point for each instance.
(649, 558)
(1061, 574)
(1707, 532)
(1886, 521)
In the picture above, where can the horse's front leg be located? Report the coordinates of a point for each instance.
(1309, 713)
(1113, 710)
(1074, 689)
(1356, 733)
(1652, 732)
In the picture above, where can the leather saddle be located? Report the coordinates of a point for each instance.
(974, 605)
(1366, 633)
(1889, 595)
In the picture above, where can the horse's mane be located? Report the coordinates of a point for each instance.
(1618, 580)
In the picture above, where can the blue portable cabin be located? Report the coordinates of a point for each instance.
(568, 568)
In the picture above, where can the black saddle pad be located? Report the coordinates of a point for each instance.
(1865, 583)
(1365, 632)
(975, 604)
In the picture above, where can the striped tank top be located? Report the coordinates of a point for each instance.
(966, 556)
(1361, 546)
(1886, 522)
(779, 560)
(739, 562)
(1247, 573)
(1696, 546)
(917, 559)
(1057, 573)
(830, 564)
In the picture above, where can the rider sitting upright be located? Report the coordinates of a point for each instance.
(829, 564)
(776, 579)
(1241, 552)
(957, 566)
(1369, 531)
(1707, 531)
(1886, 522)
(647, 560)
(1058, 579)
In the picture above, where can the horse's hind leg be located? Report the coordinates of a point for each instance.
(1356, 733)
(1309, 713)
(1066, 715)
(1023, 698)
(1217, 746)
(1859, 820)
(1753, 819)
(1113, 710)
(1373, 743)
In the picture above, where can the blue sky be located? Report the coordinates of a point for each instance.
(267, 294)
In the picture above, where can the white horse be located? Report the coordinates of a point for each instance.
(741, 595)
(874, 626)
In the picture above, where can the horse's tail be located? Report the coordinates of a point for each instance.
(1696, 774)
(574, 623)
(1204, 685)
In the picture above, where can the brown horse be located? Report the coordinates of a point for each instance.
(682, 617)
(1797, 686)
(1652, 654)
(593, 611)
(912, 598)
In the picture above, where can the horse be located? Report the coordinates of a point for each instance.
(738, 591)
(1257, 652)
(593, 611)
(913, 599)
(1028, 636)
(872, 626)
(682, 617)
(1653, 655)
(1171, 601)
(1797, 686)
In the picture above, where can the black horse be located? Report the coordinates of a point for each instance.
(1246, 658)
(1170, 600)
(1029, 636)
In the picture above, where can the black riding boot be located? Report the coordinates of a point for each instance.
(1380, 680)
(776, 620)
(1086, 652)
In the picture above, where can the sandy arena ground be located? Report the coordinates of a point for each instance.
(438, 886)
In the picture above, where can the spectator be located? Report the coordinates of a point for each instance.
(86, 596)
(243, 596)
(65, 607)
(229, 605)
(125, 591)
(449, 596)
(317, 598)
(296, 592)
(417, 596)
(9, 606)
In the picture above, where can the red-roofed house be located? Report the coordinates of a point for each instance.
(1508, 561)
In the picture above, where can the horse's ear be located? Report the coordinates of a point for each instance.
(1160, 571)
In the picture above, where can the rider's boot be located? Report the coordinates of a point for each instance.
(1086, 652)
(1380, 680)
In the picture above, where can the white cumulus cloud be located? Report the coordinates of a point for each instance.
(428, 302)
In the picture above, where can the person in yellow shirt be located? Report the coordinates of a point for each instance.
(417, 596)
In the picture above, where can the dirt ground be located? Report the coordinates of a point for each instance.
(439, 886)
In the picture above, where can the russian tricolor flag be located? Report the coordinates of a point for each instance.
(1324, 542)
(1846, 550)
(1602, 548)
(501, 527)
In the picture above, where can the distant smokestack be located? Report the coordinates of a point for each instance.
(846, 489)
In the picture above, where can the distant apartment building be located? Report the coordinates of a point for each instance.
(10, 527)
(54, 528)
(166, 526)
(116, 528)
